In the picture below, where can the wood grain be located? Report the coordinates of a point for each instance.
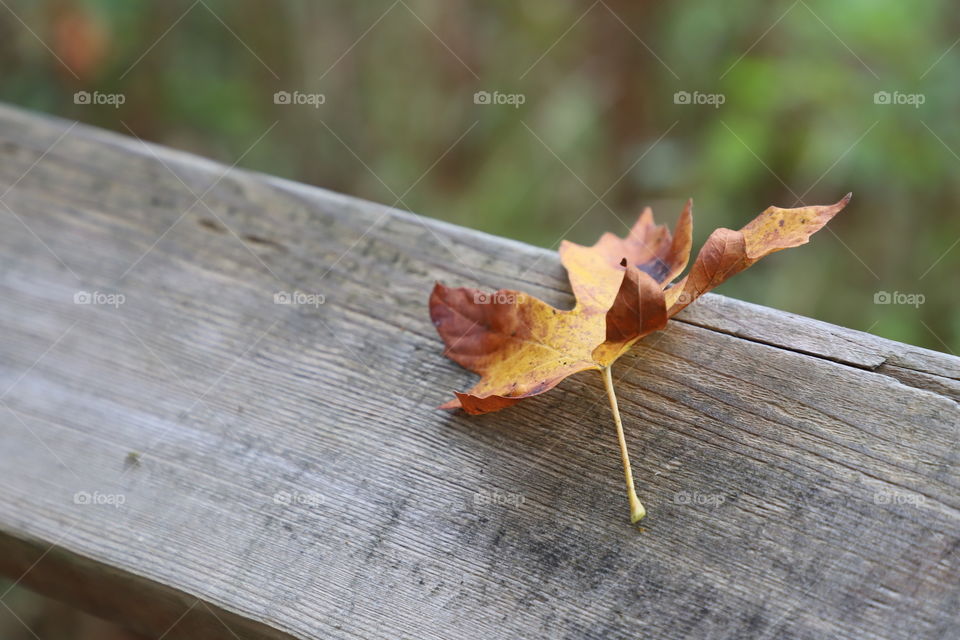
(272, 470)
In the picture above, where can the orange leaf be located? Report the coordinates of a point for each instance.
(728, 252)
(650, 247)
(595, 272)
(522, 346)
(638, 310)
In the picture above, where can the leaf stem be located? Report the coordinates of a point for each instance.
(636, 508)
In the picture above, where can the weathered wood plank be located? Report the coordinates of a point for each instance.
(292, 478)
(911, 365)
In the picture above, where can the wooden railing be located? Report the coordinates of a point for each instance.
(186, 454)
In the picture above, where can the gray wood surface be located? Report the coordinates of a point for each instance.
(266, 470)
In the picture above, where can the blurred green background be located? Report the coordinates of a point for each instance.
(604, 127)
(799, 119)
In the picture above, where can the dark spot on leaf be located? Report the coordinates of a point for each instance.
(656, 269)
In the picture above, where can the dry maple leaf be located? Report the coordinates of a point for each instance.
(522, 346)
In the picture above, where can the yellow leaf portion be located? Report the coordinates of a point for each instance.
(596, 272)
(520, 346)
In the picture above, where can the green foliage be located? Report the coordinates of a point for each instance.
(798, 121)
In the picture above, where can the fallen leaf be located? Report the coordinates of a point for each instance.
(522, 346)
